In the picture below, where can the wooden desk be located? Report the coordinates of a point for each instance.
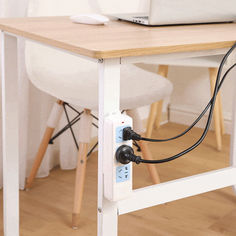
(121, 39)
(109, 46)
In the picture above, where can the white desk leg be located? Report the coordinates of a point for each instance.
(109, 102)
(9, 71)
(233, 135)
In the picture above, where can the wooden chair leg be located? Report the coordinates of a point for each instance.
(85, 126)
(52, 123)
(79, 184)
(217, 122)
(148, 156)
(221, 114)
(155, 113)
(151, 119)
(159, 114)
(163, 71)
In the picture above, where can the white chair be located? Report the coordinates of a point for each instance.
(74, 80)
(210, 62)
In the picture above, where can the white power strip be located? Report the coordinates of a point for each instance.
(117, 177)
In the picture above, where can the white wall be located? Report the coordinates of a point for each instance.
(13, 8)
(192, 93)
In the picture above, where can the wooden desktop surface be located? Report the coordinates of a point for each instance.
(121, 39)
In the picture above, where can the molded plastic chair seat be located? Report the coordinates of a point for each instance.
(138, 87)
(74, 80)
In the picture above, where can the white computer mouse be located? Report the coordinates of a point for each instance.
(91, 19)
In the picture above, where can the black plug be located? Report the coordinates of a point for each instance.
(129, 134)
(125, 154)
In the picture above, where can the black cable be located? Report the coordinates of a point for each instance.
(138, 137)
(95, 145)
(208, 121)
(218, 85)
(72, 108)
(137, 146)
(198, 118)
(71, 129)
(72, 122)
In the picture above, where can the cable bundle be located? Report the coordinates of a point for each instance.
(129, 134)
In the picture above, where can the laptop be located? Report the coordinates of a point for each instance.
(178, 12)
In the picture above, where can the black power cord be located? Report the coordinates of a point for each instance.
(124, 153)
(128, 133)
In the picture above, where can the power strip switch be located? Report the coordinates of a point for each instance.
(117, 177)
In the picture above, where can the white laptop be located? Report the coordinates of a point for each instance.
(172, 12)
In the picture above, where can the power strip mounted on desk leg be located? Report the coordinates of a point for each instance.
(117, 176)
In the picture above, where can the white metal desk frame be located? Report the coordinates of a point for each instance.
(109, 102)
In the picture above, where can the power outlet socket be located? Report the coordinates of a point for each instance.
(122, 173)
(117, 177)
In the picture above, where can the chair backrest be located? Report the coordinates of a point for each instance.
(41, 59)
